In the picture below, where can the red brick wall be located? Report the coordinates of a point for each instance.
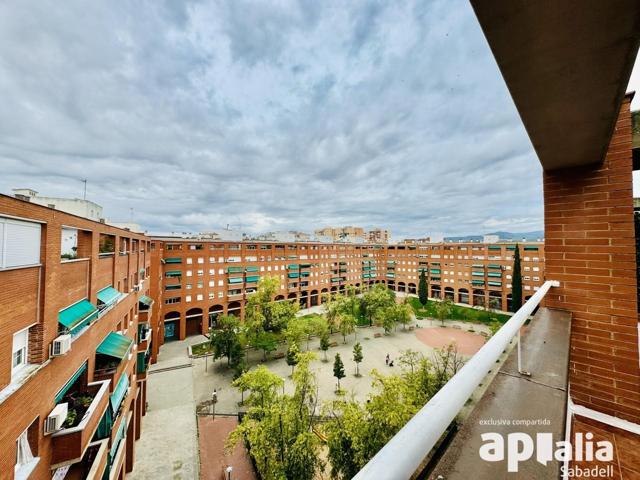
(23, 302)
(590, 249)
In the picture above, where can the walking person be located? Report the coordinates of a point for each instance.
(386, 360)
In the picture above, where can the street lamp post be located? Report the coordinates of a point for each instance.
(214, 400)
(228, 471)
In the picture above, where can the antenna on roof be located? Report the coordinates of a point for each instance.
(84, 195)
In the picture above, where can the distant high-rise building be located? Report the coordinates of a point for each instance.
(378, 235)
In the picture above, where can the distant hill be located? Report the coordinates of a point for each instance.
(518, 236)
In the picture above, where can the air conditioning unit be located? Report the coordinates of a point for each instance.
(56, 418)
(61, 345)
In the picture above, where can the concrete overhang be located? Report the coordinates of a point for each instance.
(566, 64)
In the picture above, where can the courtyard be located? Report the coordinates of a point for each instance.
(180, 391)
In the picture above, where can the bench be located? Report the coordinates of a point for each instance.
(278, 355)
(377, 335)
(333, 344)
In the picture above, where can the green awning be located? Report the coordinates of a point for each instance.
(334, 280)
(173, 287)
(494, 274)
(531, 248)
(391, 275)
(293, 267)
(115, 345)
(173, 260)
(495, 247)
(252, 278)
(146, 300)
(77, 315)
(477, 274)
(70, 382)
(305, 265)
(108, 295)
(293, 275)
(173, 273)
(477, 282)
(494, 266)
(477, 265)
(119, 392)
(305, 274)
(495, 284)
(251, 269)
(511, 247)
(434, 270)
(234, 280)
(234, 269)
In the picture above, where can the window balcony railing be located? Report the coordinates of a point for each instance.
(404, 454)
(70, 444)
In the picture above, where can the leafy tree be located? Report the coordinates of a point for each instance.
(357, 357)
(280, 434)
(384, 318)
(226, 341)
(403, 313)
(324, 343)
(338, 369)
(375, 299)
(423, 288)
(292, 356)
(314, 326)
(263, 386)
(296, 330)
(443, 309)
(355, 431)
(346, 325)
(411, 359)
(516, 283)
(267, 342)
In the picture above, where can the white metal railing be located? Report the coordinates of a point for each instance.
(403, 455)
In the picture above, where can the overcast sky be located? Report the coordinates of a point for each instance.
(265, 115)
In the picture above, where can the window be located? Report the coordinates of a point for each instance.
(169, 301)
(68, 243)
(189, 260)
(19, 351)
(25, 460)
(19, 243)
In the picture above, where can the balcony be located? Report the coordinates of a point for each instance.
(93, 463)
(510, 394)
(70, 444)
(110, 357)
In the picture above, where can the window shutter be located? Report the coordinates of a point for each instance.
(22, 243)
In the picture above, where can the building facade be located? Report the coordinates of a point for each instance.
(75, 345)
(194, 281)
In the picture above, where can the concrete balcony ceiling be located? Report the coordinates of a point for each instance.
(567, 65)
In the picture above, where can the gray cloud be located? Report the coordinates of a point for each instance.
(278, 115)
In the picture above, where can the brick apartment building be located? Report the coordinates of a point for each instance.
(73, 306)
(194, 281)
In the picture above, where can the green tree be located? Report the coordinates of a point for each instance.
(444, 309)
(423, 288)
(292, 356)
(494, 326)
(376, 299)
(314, 327)
(516, 282)
(324, 344)
(411, 359)
(384, 318)
(357, 357)
(263, 386)
(338, 369)
(279, 435)
(225, 340)
(346, 325)
(267, 342)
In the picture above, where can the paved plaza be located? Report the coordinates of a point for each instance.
(181, 385)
